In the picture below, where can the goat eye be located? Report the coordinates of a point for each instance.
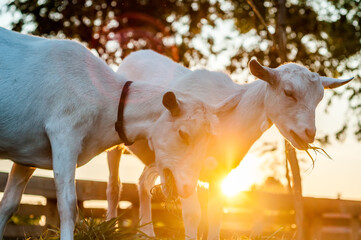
(290, 94)
(184, 136)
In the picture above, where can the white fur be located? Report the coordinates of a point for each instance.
(58, 106)
(261, 104)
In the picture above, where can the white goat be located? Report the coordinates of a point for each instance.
(58, 106)
(286, 96)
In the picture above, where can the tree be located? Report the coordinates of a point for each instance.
(116, 28)
(323, 35)
(320, 34)
(270, 184)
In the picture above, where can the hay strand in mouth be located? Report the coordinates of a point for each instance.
(319, 150)
(316, 151)
(170, 202)
(157, 192)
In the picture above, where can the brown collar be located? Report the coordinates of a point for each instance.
(119, 127)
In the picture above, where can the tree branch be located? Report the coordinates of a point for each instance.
(260, 17)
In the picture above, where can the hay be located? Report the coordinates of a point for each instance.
(170, 202)
(316, 151)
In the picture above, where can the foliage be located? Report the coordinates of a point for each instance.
(315, 36)
(133, 24)
(96, 229)
(323, 35)
(24, 220)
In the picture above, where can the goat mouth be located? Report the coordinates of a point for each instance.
(170, 188)
(303, 145)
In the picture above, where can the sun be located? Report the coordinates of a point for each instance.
(241, 178)
(236, 182)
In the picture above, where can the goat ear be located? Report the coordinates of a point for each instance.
(329, 83)
(228, 104)
(171, 103)
(261, 72)
(150, 144)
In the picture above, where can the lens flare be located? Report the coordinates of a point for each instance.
(241, 178)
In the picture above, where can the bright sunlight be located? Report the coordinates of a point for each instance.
(242, 177)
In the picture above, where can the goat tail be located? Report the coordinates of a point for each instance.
(148, 178)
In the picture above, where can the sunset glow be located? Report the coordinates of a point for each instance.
(241, 178)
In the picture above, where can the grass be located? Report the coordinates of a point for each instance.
(96, 229)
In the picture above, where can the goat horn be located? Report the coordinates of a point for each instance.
(328, 82)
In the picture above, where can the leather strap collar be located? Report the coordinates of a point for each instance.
(119, 123)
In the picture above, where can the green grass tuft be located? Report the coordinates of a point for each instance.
(96, 229)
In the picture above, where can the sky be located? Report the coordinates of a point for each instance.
(334, 178)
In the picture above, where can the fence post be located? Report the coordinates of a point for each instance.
(355, 227)
(313, 227)
(52, 216)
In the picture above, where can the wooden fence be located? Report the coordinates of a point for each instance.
(45, 187)
(250, 213)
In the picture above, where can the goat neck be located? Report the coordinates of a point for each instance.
(142, 108)
(249, 120)
(240, 129)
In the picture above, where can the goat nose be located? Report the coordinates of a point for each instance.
(310, 132)
(187, 190)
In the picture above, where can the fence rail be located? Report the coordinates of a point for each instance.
(249, 213)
